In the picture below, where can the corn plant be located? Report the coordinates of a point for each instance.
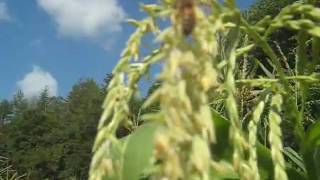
(212, 107)
(6, 171)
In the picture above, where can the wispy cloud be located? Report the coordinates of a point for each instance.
(36, 81)
(84, 18)
(4, 13)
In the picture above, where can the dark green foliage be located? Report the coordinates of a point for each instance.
(84, 109)
(19, 103)
(263, 8)
(52, 137)
(283, 41)
(5, 111)
(311, 151)
(34, 143)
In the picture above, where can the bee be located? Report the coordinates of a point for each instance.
(187, 15)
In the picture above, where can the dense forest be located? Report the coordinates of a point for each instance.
(52, 137)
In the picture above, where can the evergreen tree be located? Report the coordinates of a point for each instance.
(106, 81)
(43, 101)
(35, 144)
(19, 103)
(5, 111)
(84, 109)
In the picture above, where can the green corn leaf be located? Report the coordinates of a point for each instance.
(311, 152)
(138, 152)
(264, 69)
(294, 157)
(223, 170)
(222, 148)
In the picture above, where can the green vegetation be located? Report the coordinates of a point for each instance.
(51, 137)
(238, 98)
(235, 99)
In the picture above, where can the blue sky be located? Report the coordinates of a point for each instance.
(57, 42)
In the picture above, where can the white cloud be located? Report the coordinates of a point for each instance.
(36, 81)
(4, 14)
(84, 18)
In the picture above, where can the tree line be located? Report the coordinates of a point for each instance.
(51, 137)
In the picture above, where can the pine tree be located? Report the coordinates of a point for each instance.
(5, 111)
(44, 99)
(19, 104)
(84, 109)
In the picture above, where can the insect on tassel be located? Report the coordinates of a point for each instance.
(187, 15)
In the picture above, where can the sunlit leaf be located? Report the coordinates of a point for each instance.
(138, 152)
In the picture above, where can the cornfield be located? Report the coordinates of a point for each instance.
(218, 117)
(6, 171)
